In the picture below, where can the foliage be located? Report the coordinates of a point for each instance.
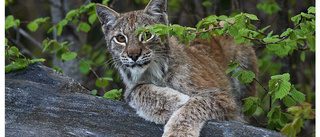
(269, 7)
(240, 27)
(61, 50)
(300, 115)
(18, 60)
(280, 93)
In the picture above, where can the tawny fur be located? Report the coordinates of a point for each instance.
(173, 84)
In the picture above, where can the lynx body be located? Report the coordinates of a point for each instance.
(170, 83)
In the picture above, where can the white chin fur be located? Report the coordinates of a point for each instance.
(137, 71)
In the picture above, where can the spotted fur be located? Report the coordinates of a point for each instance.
(170, 83)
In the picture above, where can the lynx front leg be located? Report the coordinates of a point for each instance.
(188, 120)
(156, 103)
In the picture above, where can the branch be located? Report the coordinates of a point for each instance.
(93, 73)
(28, 36)
(254, 78)
(22, 49)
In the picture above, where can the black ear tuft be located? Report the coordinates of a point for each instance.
(106, 15)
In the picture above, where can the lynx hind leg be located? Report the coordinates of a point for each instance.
(189, 119)
(156, 104)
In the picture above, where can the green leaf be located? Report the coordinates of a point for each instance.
(297, 95)
(10, 22)
(223, 17)
(270, 113)
(191, 36)
(232, 66)
(280, 49)
(69, 56)
(105, 2)
(253, 109)
(8, 68)
(94, 92)
(312, 10)
(283, 118)
(308, 16)
(270, 34)
(70, 14)
(270, 39)
(33, 26)
(288, 115)
(104, 83)
(312, 42)
(240, 21)
(246, 77)
(281, 85)
(59, 29)
(276, 115)
(269, 7)
(299, 33)
(233, 31)
(287, 32)
(63, 22)
(239, 39)
(296, 19)
(85, 27)
(204, 35)
(84, 68)
(19, 64)
(288, 101)
(288, 130)
(41, 20)
(237, 73)
(295, 110)
(107, 78)
(265, 28)
(297, 124)
(247, 105)
(272, 84)
(284, 77)
(36, 60)
(284, 89)
(113, 94)
(14, 51)
(58, 69)
(92, 18)
(251, 16)
(6, 41)
(177, 29)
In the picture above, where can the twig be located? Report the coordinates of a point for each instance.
(277, 42)
(254, 78)
(112, 4)
(22, 49)
(93, 72)
(24, 33)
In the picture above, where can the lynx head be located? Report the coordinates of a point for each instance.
(133, 55)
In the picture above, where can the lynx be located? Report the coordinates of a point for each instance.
(174, 84)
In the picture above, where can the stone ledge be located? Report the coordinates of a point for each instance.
(41, 102)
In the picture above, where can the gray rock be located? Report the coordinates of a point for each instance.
(41, 102)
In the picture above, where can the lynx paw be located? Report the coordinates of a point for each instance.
(180, 131)
(173, 133)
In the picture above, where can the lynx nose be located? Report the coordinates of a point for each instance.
(134, 55)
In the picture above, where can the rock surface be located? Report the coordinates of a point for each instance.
(41, 102)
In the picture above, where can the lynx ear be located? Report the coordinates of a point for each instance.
(157, 9)
(106, 15)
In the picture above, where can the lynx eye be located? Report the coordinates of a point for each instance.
(147, 36)
(120, 39)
